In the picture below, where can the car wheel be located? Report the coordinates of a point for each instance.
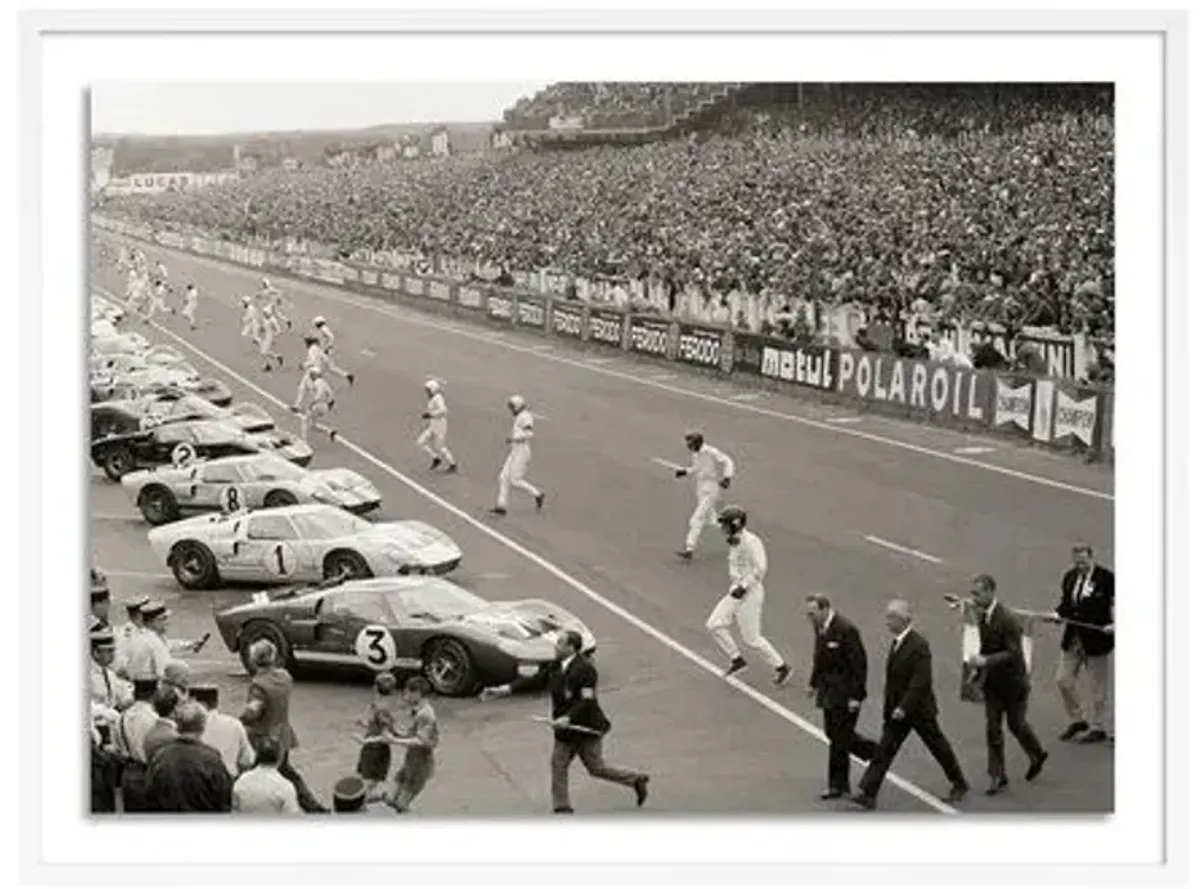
(346, 564)
(194, 566)
(279, 498)
(259, 630)
(158, 505)
(116, 462)
(448, 666)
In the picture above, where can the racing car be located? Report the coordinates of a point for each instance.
(458, 640)
(187, 440)
(307, 542)
(251, 482)
(119, 363)
(106, 341)
(170, 406)
(178, 376)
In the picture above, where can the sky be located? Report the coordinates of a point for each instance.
(120, 108)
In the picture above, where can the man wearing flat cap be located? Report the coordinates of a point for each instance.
(127, 632)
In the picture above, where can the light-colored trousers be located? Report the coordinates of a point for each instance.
(512, 475)
(432, 440)
(747, 614)
(704, 515)
(1070, 664)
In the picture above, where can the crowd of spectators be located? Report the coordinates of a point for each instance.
(959, 202)
(609, 105)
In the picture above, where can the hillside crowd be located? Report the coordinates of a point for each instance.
(951, 202)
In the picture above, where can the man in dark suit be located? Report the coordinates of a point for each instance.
(1087, 596)
(1005, 682)
(839, 683)
(909, 705)
(579, 723)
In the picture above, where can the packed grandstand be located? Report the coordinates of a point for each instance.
(760, 206)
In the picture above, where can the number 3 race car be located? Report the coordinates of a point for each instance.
(457, 639)
(186, 440)
(308, 542)
(236, 483)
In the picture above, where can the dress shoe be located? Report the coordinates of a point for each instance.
(1072, 730)
(863, 801)
(1095, 736)
(833, 794)
(565, 810)
(642, 788)
(956, 794)
(996, 785)
(1035, 767)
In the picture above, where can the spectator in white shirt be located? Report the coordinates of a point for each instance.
(127, 632)
(150, 651)
(224, 733)
(131, 729)
(262, 790)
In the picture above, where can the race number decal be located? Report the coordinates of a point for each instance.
(230, 499)
(183, 454)
(281, 560)
(376, 648)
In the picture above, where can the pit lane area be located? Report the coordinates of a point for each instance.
(613, 517)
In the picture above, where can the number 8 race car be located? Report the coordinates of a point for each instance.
(455, 638)
(308, 542)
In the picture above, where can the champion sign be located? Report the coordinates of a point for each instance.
(923, 385)
(1013, 405)
(1077, 418)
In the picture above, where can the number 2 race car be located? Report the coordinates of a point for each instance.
(308, 542)
(185, 441)
(235, 483)
(457, 639)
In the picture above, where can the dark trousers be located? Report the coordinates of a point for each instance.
(304, 796)
(894, 735)
(841, 725)
(591, 753)
(134, 794)
(104, 781)
(1010, 708)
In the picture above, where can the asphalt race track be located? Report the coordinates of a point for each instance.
(864, 509)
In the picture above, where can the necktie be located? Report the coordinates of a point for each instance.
(107, 686)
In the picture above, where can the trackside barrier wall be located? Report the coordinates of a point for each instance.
(1045, 411)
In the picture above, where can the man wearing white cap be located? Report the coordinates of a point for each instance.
(150, 651)
(432, 439)
(512, 474)
(127, 632)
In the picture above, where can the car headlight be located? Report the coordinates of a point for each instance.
(527, 670)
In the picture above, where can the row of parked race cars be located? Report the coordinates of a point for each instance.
(231, 501)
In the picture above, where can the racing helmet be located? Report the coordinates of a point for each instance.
(319, 321)
(694, 440)
(732, 519)
(433, 387)
(516, 403)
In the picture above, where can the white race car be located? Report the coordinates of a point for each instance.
(253, 481)
(125, 363)
(308, 542)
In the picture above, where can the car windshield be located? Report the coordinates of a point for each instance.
(329, 523)
(434, 600)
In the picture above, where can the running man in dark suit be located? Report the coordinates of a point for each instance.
(909, 705)
(573, 703)
(839, 683)
(1005, 682)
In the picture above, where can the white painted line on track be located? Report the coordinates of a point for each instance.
(895, 547)
(653, 632)
(746, 396)
(974, 450)
(411, 316)
(843, 420)
(662, 378)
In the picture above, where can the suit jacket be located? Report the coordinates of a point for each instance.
(1005, 675)
(573, 695)
(839, 667)
(908, 683)
(274, 688)
(1096, 607)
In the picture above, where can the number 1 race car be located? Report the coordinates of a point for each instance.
(308, 542)
(457, 639)
(250, 482)
(185, 441)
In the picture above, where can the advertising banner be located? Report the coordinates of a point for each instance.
(705, 347)
(566, 319)
(501, 307)
(747, 352)
(605, 327)
(414, 286)
(650, 336)
(1043, 409)
(470, 297)
(1013, 404)
(369, 277)
(815, 368)
(1076, 415)
(390, 281)
(531, 311)
(439, 291)
(936, 390)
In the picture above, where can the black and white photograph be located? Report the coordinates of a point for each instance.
(608, 450)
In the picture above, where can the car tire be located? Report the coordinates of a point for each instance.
(257, 630)
(194, 565)
(448, 666)
(158, 505)
(279, 498)
(116, 462)
(347, 563)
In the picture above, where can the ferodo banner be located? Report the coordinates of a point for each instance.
(500, 308)
(438, 290)
(650, 336)
(705, 347)
(566, 320)
(605, 327)
(937, 390)
(531, 312)
(470, 297)
(814, 367)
